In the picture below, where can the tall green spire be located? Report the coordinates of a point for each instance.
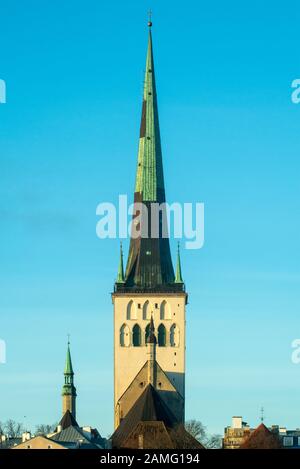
(149, 263)
(68, 373)
(149, 176)
(120, 276)
(178, 276)
(69, 390)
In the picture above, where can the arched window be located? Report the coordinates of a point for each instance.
(174, 336)
(147, 332)
(124, 336)
(131, 310)
(147, 309)
(165, 310)
(161, 335)
(136, 335)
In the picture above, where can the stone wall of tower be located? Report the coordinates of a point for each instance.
(69, 403)
(163, 386)
(132, 311)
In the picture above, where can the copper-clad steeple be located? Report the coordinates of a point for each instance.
(149, 264)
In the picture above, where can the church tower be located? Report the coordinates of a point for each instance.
(69, 390)
(149, 293)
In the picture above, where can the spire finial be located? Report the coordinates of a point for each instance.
(120, 276)
(150, 18)
(178, 276)
(262, 417)
(68, 366)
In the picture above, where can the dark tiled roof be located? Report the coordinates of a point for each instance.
(68, 420)
(73, 437)
(148, 407)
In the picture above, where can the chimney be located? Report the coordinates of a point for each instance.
(87, 429)
(26, 436)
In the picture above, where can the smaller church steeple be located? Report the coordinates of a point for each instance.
(120, 276)
(178, 276)
(69, 390)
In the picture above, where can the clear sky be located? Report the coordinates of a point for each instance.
(230, 139)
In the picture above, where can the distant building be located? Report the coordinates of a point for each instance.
(7, 442)
(75, 437)
(235, 435)
(290, 439)
(240, 435)
(68, 435)
(39, 442)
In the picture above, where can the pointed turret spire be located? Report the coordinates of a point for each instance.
(149, 264)
(69, 390)
(68, 366)
(151, 339)
(120, 276)
(151, 343)
(178, 277)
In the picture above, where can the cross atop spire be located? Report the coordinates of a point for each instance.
(150, 18)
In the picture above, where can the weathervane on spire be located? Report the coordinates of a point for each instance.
(262, 410)
(68, 339)
(150, 18)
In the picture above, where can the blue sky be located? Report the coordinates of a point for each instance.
(230, 138)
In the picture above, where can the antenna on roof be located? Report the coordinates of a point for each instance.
(262, 417)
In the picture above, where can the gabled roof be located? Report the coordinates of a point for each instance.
(74, 437)
(68, 420)
(261, 438)
(159, 368)
(39, 442)
(149, 407)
